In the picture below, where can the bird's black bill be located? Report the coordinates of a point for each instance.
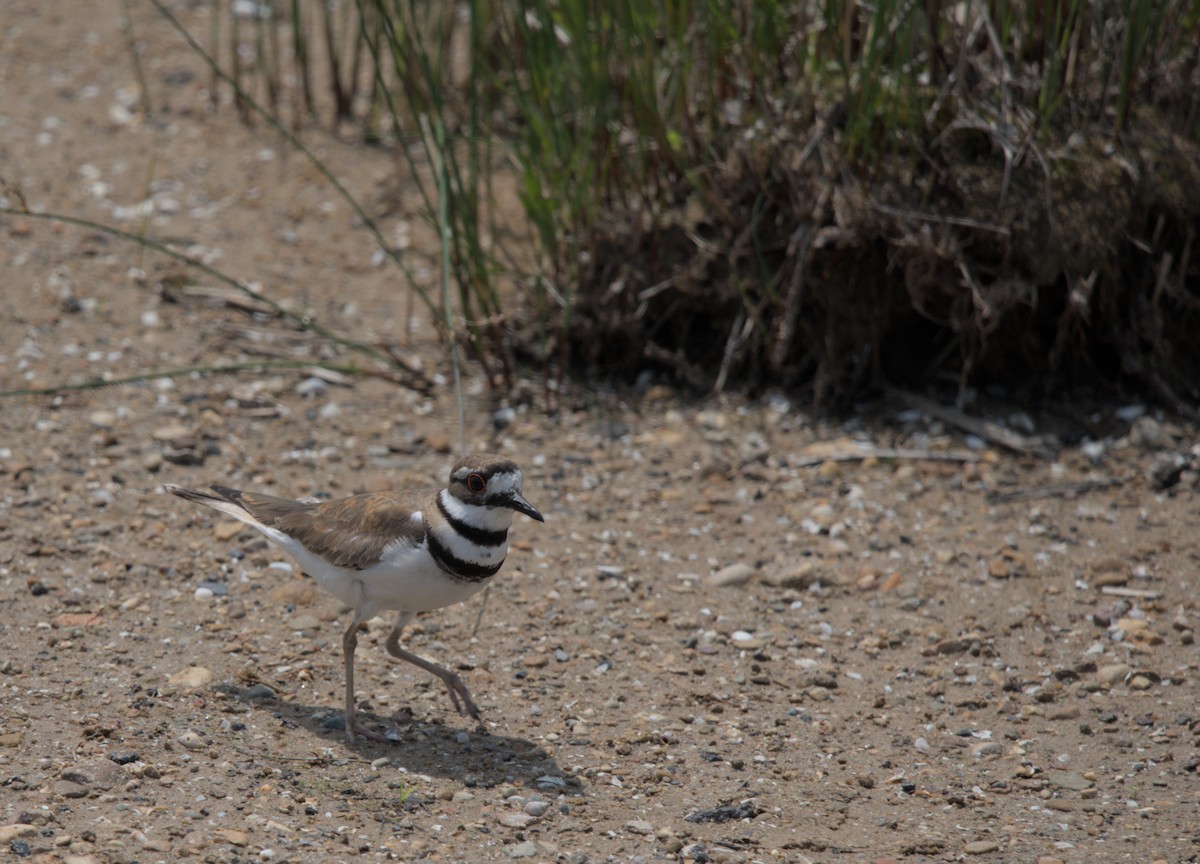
(518, 503)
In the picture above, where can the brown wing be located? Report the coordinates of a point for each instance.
(348, 532)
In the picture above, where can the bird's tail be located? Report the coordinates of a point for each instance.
(227, 501)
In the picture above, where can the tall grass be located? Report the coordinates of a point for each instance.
(629, 125)
(422, 99)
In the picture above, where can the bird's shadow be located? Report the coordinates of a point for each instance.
(482, 758)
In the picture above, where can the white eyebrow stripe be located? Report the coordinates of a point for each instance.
(509, 481)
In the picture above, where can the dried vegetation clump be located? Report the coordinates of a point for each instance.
(981, 242)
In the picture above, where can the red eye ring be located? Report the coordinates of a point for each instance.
(476, 483)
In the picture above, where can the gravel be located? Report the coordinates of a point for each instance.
(726, 643)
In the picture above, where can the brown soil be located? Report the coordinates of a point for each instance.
(918, 661)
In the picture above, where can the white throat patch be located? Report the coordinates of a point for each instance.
(476, 516)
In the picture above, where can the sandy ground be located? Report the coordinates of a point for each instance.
(728, 642)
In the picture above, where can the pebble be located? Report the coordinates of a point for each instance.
(1132, 625)
(514, 819)
(103, 419)
(192, 740)
(747, 809)
(1072, 780)
(1009, 564)
(1146, 433)
(187, 456)
(1104, 614)
(260, 691)
(639, 826)
(102, 774)
(214, 589)
(1113, 673)
(1094, 450)
(194, 841)
(537, 808)
(70, 789)
(734, 574)
(192, 677)
(1140, 682)
(526, 849)
(310, 387)
(232, 836)
(304, 622)
(534, 660)
(502, 419)
(802, 578)
(1165, 470)
(981, 847)
(226, 531)
(8, 833)
(1110, 578)
(174, 432)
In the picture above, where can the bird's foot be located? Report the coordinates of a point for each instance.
(461, 696)
(356, 730)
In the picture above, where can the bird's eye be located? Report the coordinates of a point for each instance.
(476, 483)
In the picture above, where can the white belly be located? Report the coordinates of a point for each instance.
(406, 579)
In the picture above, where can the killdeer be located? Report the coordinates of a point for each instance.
(396, 551)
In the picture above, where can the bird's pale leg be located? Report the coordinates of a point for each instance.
(459, 695)
(349, 644)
